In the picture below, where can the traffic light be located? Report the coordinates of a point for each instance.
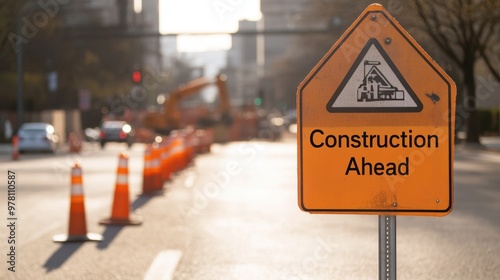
(259, 99)
(136, 76)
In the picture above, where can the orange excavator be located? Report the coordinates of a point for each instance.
(170, 119)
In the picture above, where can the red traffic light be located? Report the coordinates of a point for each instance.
(136, 76)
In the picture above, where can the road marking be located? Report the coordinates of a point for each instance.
(163, 266)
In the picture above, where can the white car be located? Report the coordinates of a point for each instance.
(37, 137)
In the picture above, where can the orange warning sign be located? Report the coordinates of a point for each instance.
(376, 120)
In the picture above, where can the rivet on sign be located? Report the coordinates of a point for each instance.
(395, 204)
(437, 200)
(374, 17)
(387, 41)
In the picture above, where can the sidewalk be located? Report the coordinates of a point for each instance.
(489, 143)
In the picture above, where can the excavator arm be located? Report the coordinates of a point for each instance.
(170, 118)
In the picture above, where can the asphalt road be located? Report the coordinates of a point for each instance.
(233, 214)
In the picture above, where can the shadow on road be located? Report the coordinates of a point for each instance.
(112, 231)
(109, 235)
(141, 200)
(61, 255)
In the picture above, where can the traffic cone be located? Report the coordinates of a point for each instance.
(190, 145)
(188, 148)
(75, 143)
(202, 141)
(151, 178)
(177, 153)
(15, 147)
(166, 165)
(120, 213)
(184, 158)
(77, 224)
(156, 168)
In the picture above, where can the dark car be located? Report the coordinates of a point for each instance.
(116, 131)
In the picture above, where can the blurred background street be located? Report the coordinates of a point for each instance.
(83, 81)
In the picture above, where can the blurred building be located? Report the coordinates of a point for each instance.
(128, 17)
(279, 16)
(254, 61)
(148, 20)
(125, 21)
(242, 66)
(169, 51)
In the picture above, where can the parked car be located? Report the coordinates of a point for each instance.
(92, 134)
(37, 137)
(116, 131)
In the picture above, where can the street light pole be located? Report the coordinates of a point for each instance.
(29, 7)
(20, 77)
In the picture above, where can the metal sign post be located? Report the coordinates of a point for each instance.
(387, 247)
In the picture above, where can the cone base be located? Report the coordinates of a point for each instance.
(77, 238)
(132, 221)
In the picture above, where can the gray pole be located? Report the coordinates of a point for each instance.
(20, 78)
(387, 247)
(29, 7)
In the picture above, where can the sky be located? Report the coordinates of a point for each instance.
(205, 16)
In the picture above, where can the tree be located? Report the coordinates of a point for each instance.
(333, 17)
(14, 14)
(8, 12)
(466, 31)
(101, 64)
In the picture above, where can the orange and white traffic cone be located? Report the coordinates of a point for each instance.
(177, 154)
(77, 230)
(166, 166)
(15, 147)
(156, 168)
(151, 177)
(120, 213)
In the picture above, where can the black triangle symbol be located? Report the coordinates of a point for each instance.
(375, 93)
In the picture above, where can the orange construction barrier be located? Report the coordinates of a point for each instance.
(120, 213)
(15, 147)
(151, 177)
(77, 224)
